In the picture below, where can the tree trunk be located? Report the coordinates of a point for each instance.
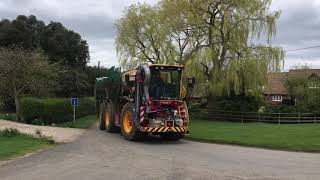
(17, 103)
(16, 99)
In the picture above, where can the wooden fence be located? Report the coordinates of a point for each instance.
(256, 117)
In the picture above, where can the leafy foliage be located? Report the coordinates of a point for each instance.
(9, 132)
(53, 110)
(94, 72)
(239, 103)
(72, 83)
(55, 47)
(64, 46)
(306, 92)
(283, 109)
(211, 37)
(22, 31)
(59, 44)
(10, 117)
(25, 72)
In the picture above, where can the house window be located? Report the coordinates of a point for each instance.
(277, 98)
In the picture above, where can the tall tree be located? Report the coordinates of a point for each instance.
(25, 72)
(22, 32)
(94, 72)
(64, 46)
(140, 36)
(60, 44)
(230, 62)
(72, 83)
(215, 36)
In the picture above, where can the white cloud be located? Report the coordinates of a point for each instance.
(290, 63)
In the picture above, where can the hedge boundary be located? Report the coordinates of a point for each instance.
(53, 110)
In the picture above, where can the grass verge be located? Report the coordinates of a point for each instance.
(292, 137)
(82, 123)
(20, 144)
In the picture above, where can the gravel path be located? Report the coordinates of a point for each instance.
(100, 155)
(59, 135)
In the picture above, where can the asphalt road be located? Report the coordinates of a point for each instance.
(100, 155)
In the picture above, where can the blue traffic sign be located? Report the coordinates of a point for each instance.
(74, 102)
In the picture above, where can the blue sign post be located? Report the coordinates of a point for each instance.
(74, 103)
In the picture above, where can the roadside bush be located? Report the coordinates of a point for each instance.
(238, 103)
(10, 117)
(7, 104)
(194, 108)
(86, 106)
(31, 108)
(9, 132)
(37, 122)
(53, 110)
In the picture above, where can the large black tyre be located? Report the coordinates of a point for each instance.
(102, 124)
(172, 136)
(129, 130)
(110, 118)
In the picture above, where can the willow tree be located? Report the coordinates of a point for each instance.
(140, 36)
(213, 36)
(223, 43)
(155, 34)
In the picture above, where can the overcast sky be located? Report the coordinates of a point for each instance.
(299, 24)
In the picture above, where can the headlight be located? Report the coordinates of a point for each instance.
(175, 112)
(179, 122)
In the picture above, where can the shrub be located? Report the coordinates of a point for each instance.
(37, 122)
(237, 103)
(194, 108)
(10, 117)
(53, 110)
(281, 109)
(9, 132)
(31, 108)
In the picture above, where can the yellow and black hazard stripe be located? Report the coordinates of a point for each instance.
(165, 129)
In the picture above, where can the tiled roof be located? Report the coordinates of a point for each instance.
(275, 84)
(296, 73)
(276, 80)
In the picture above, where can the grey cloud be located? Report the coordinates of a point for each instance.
(298, 25)
(96, 26)
(93, 19)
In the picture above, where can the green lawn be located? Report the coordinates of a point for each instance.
(295, 137)
(19, 145)
(82, 123)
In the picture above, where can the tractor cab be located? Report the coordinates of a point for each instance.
(165, 82)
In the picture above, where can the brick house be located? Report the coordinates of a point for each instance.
(275, 92)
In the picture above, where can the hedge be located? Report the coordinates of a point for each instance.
(53, 110)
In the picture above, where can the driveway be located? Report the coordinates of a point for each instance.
(100, 155)
(59, 135)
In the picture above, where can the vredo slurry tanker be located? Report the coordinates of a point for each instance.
(147, 99)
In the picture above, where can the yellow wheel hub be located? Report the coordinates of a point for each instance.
(127, 122)
(107, 119)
